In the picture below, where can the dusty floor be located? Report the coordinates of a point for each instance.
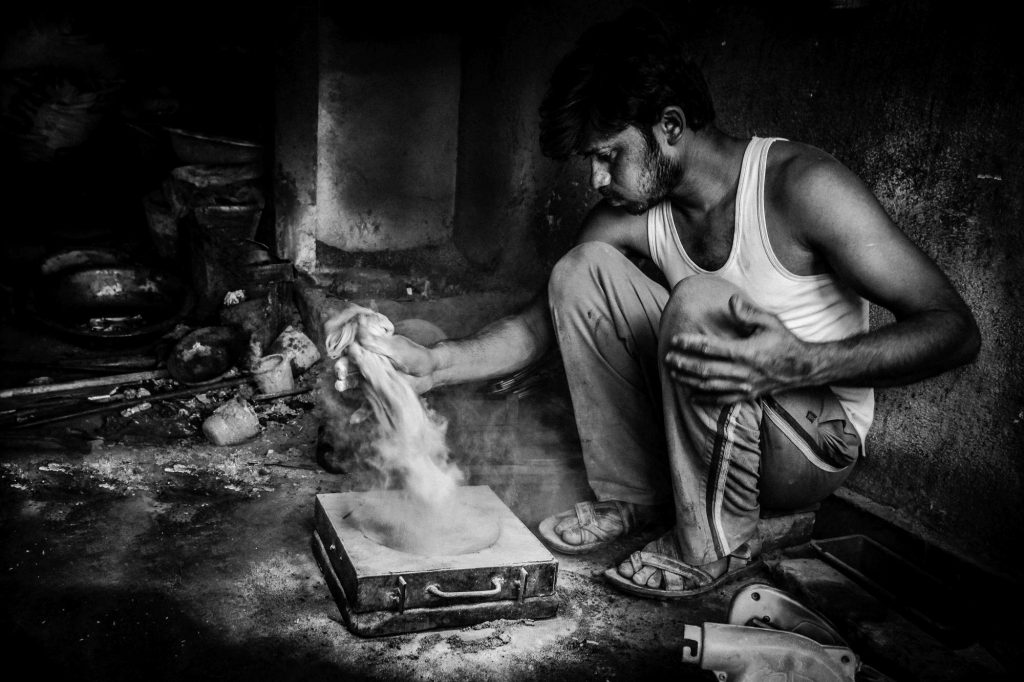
(134, 549)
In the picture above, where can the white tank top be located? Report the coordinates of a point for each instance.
(813, 307)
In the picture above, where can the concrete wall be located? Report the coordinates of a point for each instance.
(924, 103)
(387, 126)
(517, 211)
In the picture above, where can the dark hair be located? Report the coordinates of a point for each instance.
(621, 72)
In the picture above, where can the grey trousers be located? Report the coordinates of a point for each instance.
(643, 439)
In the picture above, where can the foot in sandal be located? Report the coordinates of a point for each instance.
(658, 571)
(590, 525)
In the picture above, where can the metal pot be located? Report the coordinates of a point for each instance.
(109, 303)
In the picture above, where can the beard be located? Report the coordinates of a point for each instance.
(658, 178)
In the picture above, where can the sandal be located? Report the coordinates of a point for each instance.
(679, 579)
(620, 518)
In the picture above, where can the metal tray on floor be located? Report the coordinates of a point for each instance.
(381, 591)
(940, 608)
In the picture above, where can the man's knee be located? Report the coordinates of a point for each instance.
(697, 304)
(577, 271)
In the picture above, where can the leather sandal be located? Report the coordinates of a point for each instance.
(679, 579)
(588, 515)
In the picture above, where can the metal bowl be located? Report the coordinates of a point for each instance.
(194, 147)
(110, 303)
(80, 258)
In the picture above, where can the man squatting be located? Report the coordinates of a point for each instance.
(747, 381)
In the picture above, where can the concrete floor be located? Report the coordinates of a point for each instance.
(133, 549)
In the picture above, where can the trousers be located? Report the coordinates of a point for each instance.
(645, 441)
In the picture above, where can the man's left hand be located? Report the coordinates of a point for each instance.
(763, 357)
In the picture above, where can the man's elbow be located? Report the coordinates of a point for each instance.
(968, 342)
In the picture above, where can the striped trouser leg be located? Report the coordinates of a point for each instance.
(784, 451)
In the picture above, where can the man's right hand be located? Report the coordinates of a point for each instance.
(417, 362)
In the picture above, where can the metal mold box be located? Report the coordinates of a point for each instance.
(380, 590)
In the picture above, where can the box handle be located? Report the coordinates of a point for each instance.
(497, 581)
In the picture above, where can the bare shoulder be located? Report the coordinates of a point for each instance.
(796, 169)
(612, 225)
(816, 195)
(835, 216)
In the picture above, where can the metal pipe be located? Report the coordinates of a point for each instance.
(121, 404)
(43, 389)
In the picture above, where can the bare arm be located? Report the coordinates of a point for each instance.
(838, 218)
(510, 343)
(500, 348)
(497, 349)
(933, 331)
(611, 225)
(514, 342)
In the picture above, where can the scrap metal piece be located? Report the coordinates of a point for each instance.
(769, 636)
(740, 653)
(762, 605)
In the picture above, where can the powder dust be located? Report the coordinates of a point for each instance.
(407, 449)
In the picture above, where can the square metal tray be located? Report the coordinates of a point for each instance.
(940, 608)
(380, 590)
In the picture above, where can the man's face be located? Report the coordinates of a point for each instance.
(629, 172)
